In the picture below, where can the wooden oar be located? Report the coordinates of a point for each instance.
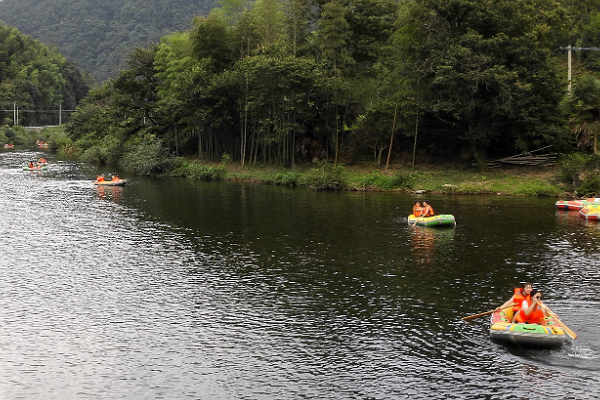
(475, 316)
(571, 334)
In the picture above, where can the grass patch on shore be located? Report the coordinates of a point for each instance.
(526, 181)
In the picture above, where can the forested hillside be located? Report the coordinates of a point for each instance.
(98, 35)
(35, 79)
(276, 81)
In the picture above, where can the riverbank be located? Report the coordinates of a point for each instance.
(447, 179)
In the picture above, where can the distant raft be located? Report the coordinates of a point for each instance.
(117, 182)
(43, 168)
(441, 220)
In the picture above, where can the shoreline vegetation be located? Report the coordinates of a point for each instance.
(430, 179)
(573, 176)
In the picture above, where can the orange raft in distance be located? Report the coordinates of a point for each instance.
(115, 182)
(548, 335)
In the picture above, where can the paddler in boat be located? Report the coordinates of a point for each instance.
(30, 164)
(533, 313)
(115, 178)
(100, 178)
(427, 210)
(521, 294)
(417, 209)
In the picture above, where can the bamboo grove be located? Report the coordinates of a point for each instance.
(285, 81)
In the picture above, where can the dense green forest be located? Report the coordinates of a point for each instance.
(98, 35)
(36, 80)
(274, 81)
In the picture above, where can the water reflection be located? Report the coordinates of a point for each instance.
(426, 241)
(109, 193)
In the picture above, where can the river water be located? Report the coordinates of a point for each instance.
(174, 289)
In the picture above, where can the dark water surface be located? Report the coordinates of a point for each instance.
(172, 289)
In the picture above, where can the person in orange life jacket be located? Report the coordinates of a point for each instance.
(30, 164)
(417, 209)
(427, 210)
(100, 178)
(115, 178)
(521, 294)
(533, 313)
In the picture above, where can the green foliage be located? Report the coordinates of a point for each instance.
(105, 150)
(326, 176)
(147, 157)
(286, 179)
(376, 181)
(248, 82)
(536, 188)
(579, 172)
(199, 171)
(590, 185)
(488, 69)
(34, 78)
(572, 165)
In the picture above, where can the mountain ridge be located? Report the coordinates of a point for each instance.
(99, 36)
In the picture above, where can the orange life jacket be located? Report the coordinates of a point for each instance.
(535, 316)
(417, 211)
(427, 211)
(518, 299)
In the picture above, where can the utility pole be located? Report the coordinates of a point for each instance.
(60, 114)
(569, 49)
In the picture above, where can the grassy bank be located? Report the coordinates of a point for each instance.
(575, 175)
(526, 181)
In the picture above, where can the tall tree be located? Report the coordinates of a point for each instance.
(494, 84)
(584, 112)
(332, 37)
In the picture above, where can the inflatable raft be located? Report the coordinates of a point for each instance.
(441, 220)
(35, 168)
(591, 211)
(118, 182)
(570, 205)
(548, 335)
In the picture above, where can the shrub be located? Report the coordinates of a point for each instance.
(572, 166)
(147, 157)
(590, 185)
(199, 171)
(327, 176)
(538, 189)
(286, 179)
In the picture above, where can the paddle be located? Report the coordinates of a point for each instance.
(571, 334)
(416, 219)
(475, 316)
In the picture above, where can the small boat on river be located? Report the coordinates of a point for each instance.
(441, 220)
(591, 211)
(548, 335)
(570, 205)
(40, 168)
(116, 182)
(9, 146)
(575, 205)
